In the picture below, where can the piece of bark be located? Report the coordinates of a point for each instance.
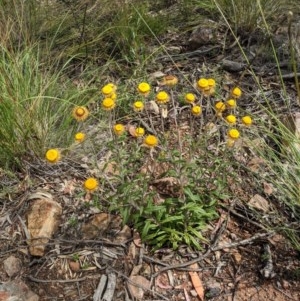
(100, 288)
(110, 288)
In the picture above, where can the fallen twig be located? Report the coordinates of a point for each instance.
(217, 248)
(55, 280)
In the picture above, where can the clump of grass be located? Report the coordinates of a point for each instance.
(244, 17)
(34, 107)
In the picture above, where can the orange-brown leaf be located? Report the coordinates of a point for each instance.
(196, 281)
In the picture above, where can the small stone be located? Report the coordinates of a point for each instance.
(96, 226)
(12, 266)
(213, 289)
(193, 293)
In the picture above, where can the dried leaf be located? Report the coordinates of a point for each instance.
(153, 107)
(255, 163)
(157, 74)
(137, 286)
(258, 202)
(196, 281)
(137, 239)
(164, 112)
(131, 130)
(268, 188)
(163, 282)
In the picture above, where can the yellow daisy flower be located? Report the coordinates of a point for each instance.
(231, 103)
(90, 184)
(113, 96)
(247, 120)
(236, 92)
(150, 141)
(119, 129)
(138, 106)
(202, 84)
(144, 88)
(231, 119)
(52, 155)
(80, 113)
(139, 132)
(108, 104)
(233, 134)
(190, 97)
(196, 110)
(79, 137)
(162, 97)
(220, 107)
(107, 90)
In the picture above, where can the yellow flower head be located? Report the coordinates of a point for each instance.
(231, 119)
(80, 113)
(202, 84)
(247, 120)
(119, 129)
(170, 80)
(190, 97)
(138, 106)
(150, 141)
(107, 90)
(108, 104)
(220, 107)
(144, 88)
(233, 134)
(90, 184)
(211, 83)
(139, 132)
(231, 103)
(113, 96)
(196, 110)
(79, 137)
(236, 92)
(52, 155)
(162, 97)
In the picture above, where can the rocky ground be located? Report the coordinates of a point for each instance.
(82, 253)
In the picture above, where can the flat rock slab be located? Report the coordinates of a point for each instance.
(42, 221)
(16, 291)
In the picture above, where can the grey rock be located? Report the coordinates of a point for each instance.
(12, 266)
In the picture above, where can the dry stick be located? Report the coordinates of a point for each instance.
(55, 280)
(214, 249)
(176, 123)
